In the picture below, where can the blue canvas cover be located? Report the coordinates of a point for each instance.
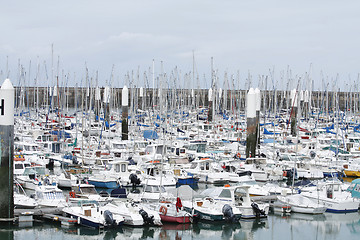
(150, 134)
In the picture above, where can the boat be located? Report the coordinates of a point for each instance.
(238, 197)
(331, 195)
(50, 196)
(33, 177)
(171, 211)
(104, 181)
(202, 169)
(301, 204)
(90, 214)
(22, 200)
(210, 210)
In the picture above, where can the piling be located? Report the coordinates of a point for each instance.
(293, 111)
(210, 107)
(141, 99)
(251, 124)
(124, 121)
(6, 150)
(97, 103)
(258, 104)
(106, 101)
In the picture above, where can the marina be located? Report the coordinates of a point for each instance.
(179, 120)
(115, 169)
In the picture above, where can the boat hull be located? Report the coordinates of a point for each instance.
(178, 219)
(100, 184)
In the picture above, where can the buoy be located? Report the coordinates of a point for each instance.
(163, 210)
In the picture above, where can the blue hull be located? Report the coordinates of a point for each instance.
(87, 223)
(111, 184)
(330, 175)
(188, 181)
(341, 211)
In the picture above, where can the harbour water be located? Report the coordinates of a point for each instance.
(293, 226)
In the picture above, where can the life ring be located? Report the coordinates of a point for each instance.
(238, 155)
(163, 210)
(284, 173)
(72, 194)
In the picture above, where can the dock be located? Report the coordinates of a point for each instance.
(52, 214)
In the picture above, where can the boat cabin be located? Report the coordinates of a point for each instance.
(354, 188)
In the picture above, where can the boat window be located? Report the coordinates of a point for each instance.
(202, 166)
(193, 147)
(148, 189)
(160, 150)
(207, 166)
(240, 192)
(157, 189)
(193, 165)
(88, 190)
(225, 193)
(117, 168)
(351, 187)
(123, 167)
(19, 166)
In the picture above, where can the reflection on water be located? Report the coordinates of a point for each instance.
(293, 226)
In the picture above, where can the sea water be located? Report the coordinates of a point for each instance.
(292, 226)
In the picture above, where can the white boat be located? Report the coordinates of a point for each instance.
(84, 191)
(22, 200)
(301, 204)
(50, 196)
(66, 180)
(209, 209)
(152, 192)
(20, 164)
(131, 215)
(238, 197)
(33, 177)
(207, 174)
(90, 214)
(331, 195)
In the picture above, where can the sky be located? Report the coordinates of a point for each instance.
(285, 42)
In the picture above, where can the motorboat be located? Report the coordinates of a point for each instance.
(301, 204)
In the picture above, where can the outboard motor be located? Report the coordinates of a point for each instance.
(47, 181)
(109, 220)
(134, 181)
(228, 213)
(74, 160)
(50, 165)
(131, 161)
(257, 210)
(312, 154)
(146, 218)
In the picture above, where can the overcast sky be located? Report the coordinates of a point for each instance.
(249, 36)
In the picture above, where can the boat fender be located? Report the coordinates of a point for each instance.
(284, 173)
(72, 194)
(163, 210)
